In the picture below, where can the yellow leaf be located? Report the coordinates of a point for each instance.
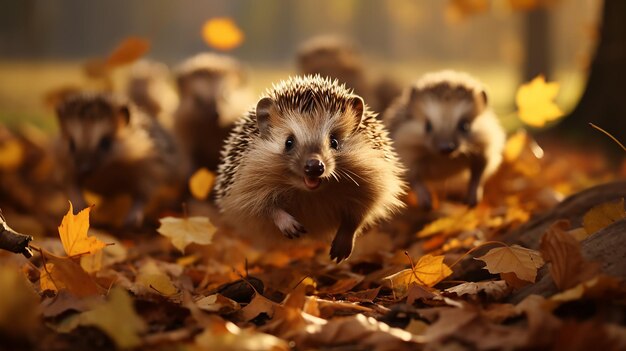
(155, 279)
(603, 215)
(73, 232)
(92, 263)
(184, 231)
(535, 102)
(11, 155)
(515, 145)
(128, 51)
(201, 183)
(513, 259)
(117, 318)
(428, 271)
(452, 224)
(222, 33)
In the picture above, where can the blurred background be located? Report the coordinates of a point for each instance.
(44, 44)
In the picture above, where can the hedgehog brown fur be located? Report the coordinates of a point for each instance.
(310, 158)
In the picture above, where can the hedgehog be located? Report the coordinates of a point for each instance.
(213, 95)
(442, 126)
(312, 159)
(148, 87)
(110, 147)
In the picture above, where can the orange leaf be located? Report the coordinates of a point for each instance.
(568, 267)
(603, 215)
(535, 102)
(200, 183)
(128, 51)
(73, 232)
(222, 33)
(428, 271)
(513, 259)
(63, 273)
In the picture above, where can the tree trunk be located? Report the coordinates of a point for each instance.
(537, 44)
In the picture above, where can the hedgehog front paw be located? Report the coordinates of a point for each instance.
(341, 248)
(288, 225)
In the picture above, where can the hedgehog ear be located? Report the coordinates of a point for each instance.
(357, 106)
(263, 115)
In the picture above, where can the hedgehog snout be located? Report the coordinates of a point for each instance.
(314, 168)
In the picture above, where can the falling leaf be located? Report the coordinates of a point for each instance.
(63, 273)
(222, 33)
(73, 232)
(11, 155)
(568, 267)
(535, 102)
(428, 271)
(154, 279)
(201, 183)
(513, 259)
(128, 51)
(603, 215)
(184, 231)
(117, 318)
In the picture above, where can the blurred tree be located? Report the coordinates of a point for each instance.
(537, 41)
(603, 101)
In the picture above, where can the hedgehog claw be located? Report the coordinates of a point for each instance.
(288, 225)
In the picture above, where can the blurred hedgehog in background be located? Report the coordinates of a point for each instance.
(213, 94)
(441, 126)
(110, 147)
(148, 87)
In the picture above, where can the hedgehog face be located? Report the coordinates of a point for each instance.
(90, 129)
(442, 122)
(309, 142)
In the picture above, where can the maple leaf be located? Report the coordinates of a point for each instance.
(222, 33)
(603, 215)
(184, 231)
(535, 102)
(128, 51)
(73, 232)
(513, 259)
(153, 278)
(568, 267)
(428, 271)
(200, 183)
(117, 318)
(63, 273)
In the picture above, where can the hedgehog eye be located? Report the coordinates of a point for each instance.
(428, 126)
(289, 143)
(105, 143)
(464, 125)
(334, 143)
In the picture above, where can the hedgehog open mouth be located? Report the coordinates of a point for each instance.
(312, 183)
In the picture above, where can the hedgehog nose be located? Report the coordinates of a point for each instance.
(447, 147)
(314, 168)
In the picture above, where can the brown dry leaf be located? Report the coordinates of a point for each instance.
(128, 51)
(217, 303)
(535, 102)
(599, 287)
(63, 273)
(226, 336)
(201, 183)
(450, 320)
(222, 33)
(513, 259)
(73, 232)
(495, 290)
(428, 271)
(568, 267)
(417, 291)
(541, 322)
(603, 215)
(258, 305)
(184, 231)
(513, 281)
(154, 279)
(342, 285)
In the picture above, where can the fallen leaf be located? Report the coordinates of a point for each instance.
(201, 183)
(128, 51)
(603, 215)
(428, 271)
(494, 290)
(73, 232)
(154, 279)
(222, 33)
(599, 287)
(63, 273)
(513, 259)
(568, 267)
(184, 231)
(257, 306)
(117, 318)
(535, 102)
(417, 291)
(226, 336)
(449, 322)
(450, 225)
(217, 303)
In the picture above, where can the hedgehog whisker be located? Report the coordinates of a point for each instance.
(352, 179)
(354, 174)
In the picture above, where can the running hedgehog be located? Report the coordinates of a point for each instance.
(213, 95)
(110, 147)
(310, 158)
(441, 126)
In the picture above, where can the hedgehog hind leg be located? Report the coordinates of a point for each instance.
(343, 243)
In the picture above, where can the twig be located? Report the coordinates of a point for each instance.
(12, 241)
(609, 135)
